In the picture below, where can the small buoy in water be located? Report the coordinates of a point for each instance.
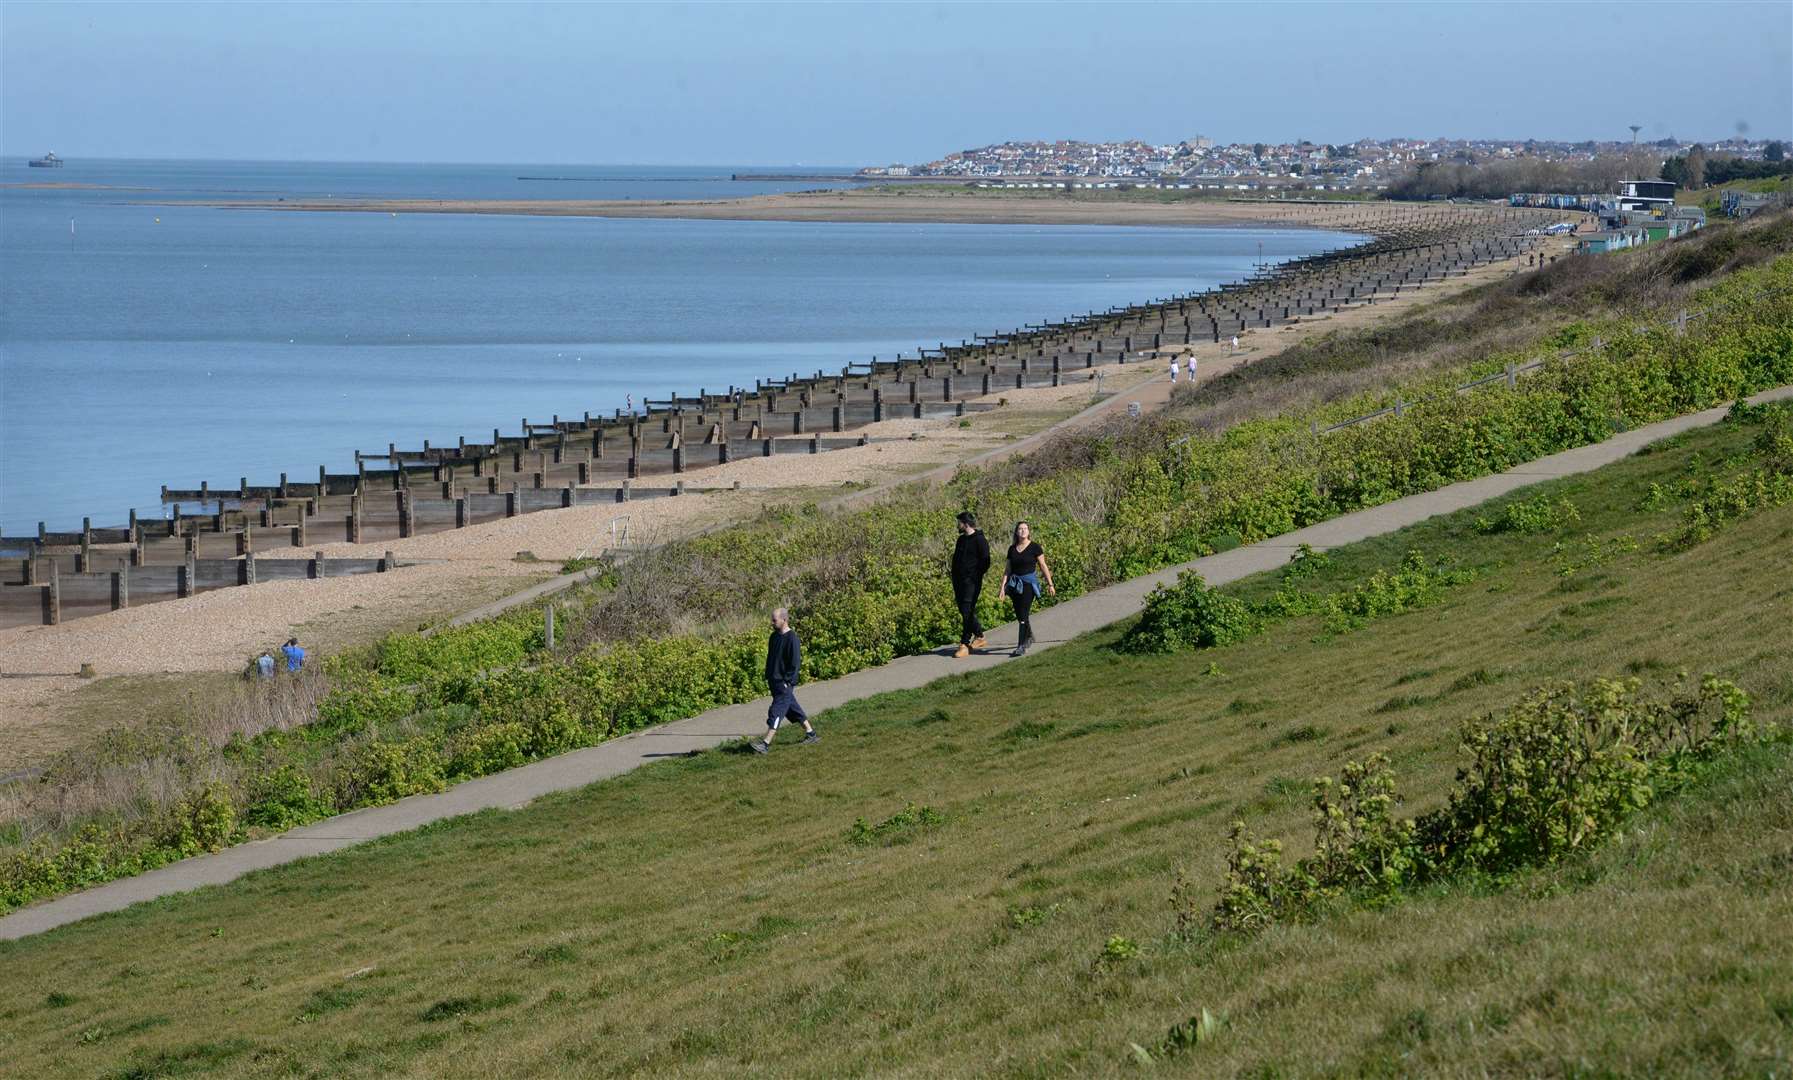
(158, 221)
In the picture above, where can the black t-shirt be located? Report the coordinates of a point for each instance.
(1024, 560)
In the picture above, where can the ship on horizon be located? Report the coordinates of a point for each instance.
(48, 161)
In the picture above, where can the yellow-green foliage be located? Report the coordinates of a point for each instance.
(1552, 775)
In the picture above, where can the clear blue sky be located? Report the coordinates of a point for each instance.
(856, 84)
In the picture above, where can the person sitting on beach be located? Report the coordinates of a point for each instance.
(264, 665)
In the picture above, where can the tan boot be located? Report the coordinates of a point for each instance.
(978, 642)
(962, 652)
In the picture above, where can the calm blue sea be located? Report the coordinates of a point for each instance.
(152, 344)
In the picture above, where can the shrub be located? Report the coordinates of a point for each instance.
(1257, 891)
(1538, 515)
(460, 652)
(381, 772)
(1551, 776)
(1188, 615)
(203, 820)
(361, 701)
(488, 749)
(1415, 585)
(1359, 846)
(283, 798)
(1557, 771)
(1305, 563)
(1719, 501)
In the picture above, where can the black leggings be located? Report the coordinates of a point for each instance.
(969, 628)
(1023, 605)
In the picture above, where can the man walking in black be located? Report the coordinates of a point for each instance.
(784, 664)
(971, 561)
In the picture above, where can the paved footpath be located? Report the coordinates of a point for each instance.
(1056, 625)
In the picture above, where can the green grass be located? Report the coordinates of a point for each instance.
(713, 915)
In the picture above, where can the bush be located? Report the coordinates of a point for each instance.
(1538, 515)
(203, 820)
(382, 772)
(456, 654)
(1557, 771)
(1551, 776)
(1191, 615)
(361, 701)
(488, 749)
(283, 798)
(1188, 615)
(1415, 585)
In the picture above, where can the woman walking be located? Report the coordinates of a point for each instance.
(1021, 580)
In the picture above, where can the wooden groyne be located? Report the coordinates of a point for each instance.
(562, 462)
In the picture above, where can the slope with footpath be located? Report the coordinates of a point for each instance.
(150, 658)
(983, 876)
(416, 713)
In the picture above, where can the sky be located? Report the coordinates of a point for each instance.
(855, 84)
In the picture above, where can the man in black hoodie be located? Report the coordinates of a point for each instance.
(784, 664)
(971, 561)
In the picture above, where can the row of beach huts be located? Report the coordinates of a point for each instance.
(1638, 212)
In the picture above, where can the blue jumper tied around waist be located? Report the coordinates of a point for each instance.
(1022, 584)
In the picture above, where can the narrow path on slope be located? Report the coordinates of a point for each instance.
(517, 787)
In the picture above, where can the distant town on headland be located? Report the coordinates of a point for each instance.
(1367, 165)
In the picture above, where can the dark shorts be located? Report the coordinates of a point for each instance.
(784, 703)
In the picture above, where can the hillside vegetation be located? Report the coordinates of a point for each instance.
(985, 877)
(669, 635)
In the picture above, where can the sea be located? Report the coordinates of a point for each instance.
(149, 339)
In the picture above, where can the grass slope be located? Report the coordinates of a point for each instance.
(712, 916)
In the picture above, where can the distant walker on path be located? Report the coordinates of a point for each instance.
(295, 656)
(1173, 369)
(971, 561)
(1021, 580)
(784, 665)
